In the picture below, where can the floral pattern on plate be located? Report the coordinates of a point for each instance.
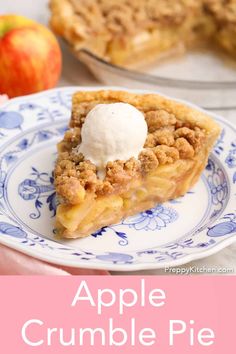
(169, 234)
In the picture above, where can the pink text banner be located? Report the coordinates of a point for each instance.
(132, 314)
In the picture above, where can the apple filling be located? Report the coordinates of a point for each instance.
(96, 212)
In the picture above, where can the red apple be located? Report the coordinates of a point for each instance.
(30, 56)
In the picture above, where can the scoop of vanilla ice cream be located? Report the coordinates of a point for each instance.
(115, 131)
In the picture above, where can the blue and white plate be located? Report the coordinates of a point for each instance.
(191, 227)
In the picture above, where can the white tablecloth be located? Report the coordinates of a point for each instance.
(74, 73)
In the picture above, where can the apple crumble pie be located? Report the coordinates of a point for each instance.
(129, 32)
(175, 150)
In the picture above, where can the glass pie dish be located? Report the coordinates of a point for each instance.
(202, 77)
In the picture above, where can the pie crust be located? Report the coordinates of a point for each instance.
(178, 143)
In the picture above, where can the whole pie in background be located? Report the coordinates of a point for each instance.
(132, 32)
(96, 192)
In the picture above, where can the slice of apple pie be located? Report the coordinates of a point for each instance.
(124, 153)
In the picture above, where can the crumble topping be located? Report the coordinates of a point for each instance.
(224, 11)
(158, 119)
(118, 18)
(166, 154)
(169, 139)
(185, 149)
